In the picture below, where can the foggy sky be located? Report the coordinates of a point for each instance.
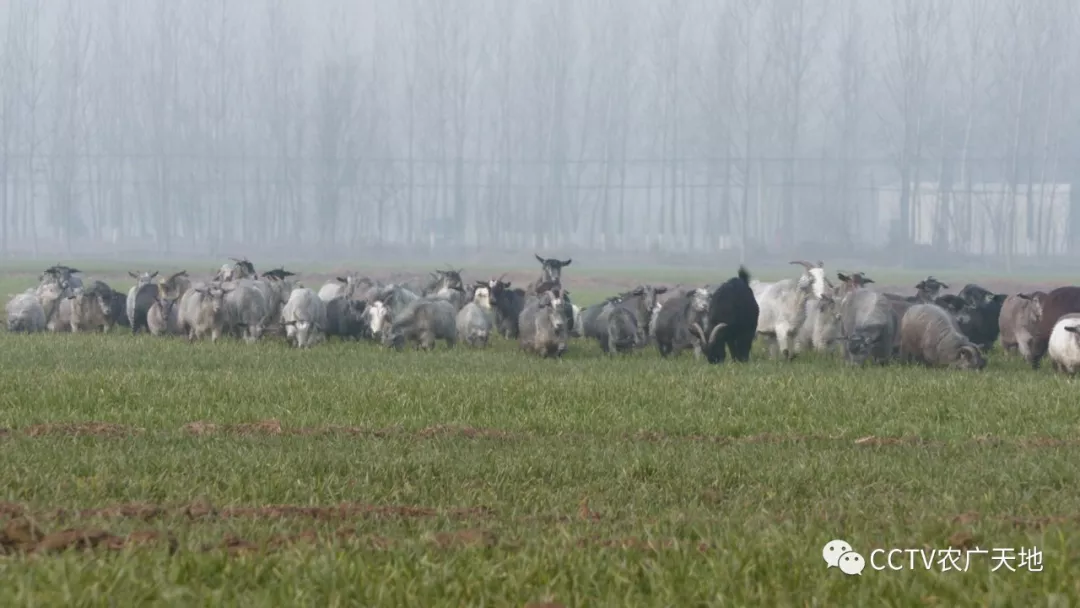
(895, 127)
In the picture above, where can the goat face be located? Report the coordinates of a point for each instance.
(377, 316)
(551, 268)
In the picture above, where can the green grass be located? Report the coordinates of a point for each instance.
(738, 475)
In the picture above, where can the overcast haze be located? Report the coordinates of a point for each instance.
(894, 129)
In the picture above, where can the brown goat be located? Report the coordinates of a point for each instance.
(1058, 303)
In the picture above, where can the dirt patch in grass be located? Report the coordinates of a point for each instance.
(442, 430)
(909, 440)
(262, 427)
(205, 510)
(1040, 521)
(656, 436)
(81, 429)
(273, 427)
(23, 536)
(352, 510)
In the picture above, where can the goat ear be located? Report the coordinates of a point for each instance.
(867, 280)
(1073, 328)
(843, 277)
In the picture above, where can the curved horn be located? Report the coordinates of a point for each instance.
(540, 259)
(712, 334)
(697, 331)
(805, 264)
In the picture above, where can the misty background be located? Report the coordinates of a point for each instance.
(891, 131)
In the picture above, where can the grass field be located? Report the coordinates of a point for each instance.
(235, 474)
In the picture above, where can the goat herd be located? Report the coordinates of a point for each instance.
(792, 315)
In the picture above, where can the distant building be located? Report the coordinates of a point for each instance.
(975, 223)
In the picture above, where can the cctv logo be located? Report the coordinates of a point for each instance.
(838, 554)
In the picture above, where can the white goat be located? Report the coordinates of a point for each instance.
(1064, 346)
(782, 306)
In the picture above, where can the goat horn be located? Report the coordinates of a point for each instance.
(697, 331)
(712, 334)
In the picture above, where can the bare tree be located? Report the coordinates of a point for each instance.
(916, 25)
(794, 45)
(667, 54)
(284, 107)
(851, 91)
(751, 80)
(977, 16)
(67, 122)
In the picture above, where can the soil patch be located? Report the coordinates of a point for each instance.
(205, 510)
(273, 427)
(81, 429)
(871, 440)
(23, 536)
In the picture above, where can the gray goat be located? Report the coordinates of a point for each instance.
(247, 311)
(241, 268)
(345, 318)
(304, 317)
(931, 336)
(475, 319)
(868, 326)
(25, 313)
(623, 331)
(640, 302)
(542, 325)
(201, 312)
(88, 309)
(163, 318)
(423, 321)
(141, 278)
(1018, 320)
(680, 323)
